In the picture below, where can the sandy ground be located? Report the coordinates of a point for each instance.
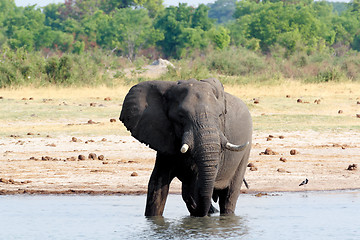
(46, 161)
(51, 165)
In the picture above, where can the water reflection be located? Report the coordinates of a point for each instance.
(213, 227)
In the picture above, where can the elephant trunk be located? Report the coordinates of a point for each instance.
(206, 154)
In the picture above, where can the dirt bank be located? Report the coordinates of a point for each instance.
(44, 131)
(61, 165)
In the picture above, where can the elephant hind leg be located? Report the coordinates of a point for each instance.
(158, 188)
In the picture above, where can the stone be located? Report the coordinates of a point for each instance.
(293, 152)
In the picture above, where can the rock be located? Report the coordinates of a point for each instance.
(74, 139)
(92, 156)
(253, 169)
(340, 111)
(3, 180)
(261, 194)
(1, 97)
(47, 158)
(281, 170)
(51, 145)
(105, 162)
(358, 115)
(287, 96)
(134, 174)
(31, 98)
(256, 101)
(30, 134)
(317, 101)
(24, 99)
(104, 140)
(251, 165)
(299, 101)
(281, 137)
(112, 120)
(107, 99)
(101, 157)
(268, 139)
(282, 159)
(92, 104)
(162, 62)
(91, 122)
(81, 157)
(293, 152)
(358, 102)
(352, 167)
(71, 159)
(268, 151)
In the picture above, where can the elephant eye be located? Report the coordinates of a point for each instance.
(181, 116)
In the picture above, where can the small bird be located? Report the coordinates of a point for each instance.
(304, 182)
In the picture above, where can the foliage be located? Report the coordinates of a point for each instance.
(72, 42)
(236, 61)
(184, 29)
(222, 10)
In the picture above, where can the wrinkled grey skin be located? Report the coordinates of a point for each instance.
(166, 115)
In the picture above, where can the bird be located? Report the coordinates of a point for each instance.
(304, 182)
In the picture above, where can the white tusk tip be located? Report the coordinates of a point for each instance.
(184, 148)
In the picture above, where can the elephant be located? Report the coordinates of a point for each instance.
(202, 136)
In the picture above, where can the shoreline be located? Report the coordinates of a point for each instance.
(41, 165)
(71, 192)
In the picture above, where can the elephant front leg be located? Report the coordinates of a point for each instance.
(229, 196)
(158, 187)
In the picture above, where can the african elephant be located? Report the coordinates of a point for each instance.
(194, 126)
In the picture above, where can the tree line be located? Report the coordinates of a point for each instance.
(133, 27)
(90, 42)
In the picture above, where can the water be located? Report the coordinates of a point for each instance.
(311, 215)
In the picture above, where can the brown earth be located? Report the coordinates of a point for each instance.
(51, 165)
(47, 138)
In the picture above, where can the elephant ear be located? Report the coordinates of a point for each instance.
(144, 115)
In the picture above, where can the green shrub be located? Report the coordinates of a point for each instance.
(236, 61)
(186, 69)
(329, 75)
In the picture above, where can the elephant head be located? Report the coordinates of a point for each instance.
(184, 119)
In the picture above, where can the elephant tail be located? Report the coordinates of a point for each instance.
(246, 184)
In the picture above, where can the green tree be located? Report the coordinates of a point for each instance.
(287, 23)
(220, 37)
(222, 10)
(133, 31)
(153, 6)
(184, 29)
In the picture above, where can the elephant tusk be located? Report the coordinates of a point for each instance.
(184, 148)
(233, 147)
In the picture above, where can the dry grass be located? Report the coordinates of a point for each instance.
(70, 109)
(79, 94)
(296, 88)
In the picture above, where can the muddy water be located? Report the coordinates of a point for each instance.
(306, 215)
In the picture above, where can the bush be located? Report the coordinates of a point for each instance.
(236, 61)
